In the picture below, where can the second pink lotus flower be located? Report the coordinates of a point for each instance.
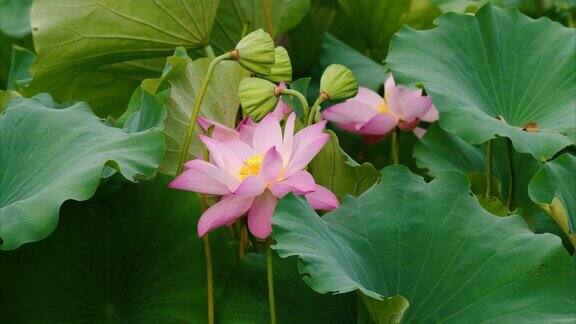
(251, 168)
(371, 115)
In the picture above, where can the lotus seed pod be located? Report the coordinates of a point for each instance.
(257, 97)
(282, 68)
(255, 52)
(338, 83)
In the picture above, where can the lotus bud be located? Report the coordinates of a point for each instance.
(281, 69)
(258, 97)
(338, 83)
(255, 52)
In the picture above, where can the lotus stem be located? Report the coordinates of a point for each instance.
(209, 51)
(268, 17)
(209, 279)
(512, 175)
(315, 107)
(242, 240)
(196, 109)
(270, 272)
(297, 94)
(394, 146)
(489, 151)
(207, 250)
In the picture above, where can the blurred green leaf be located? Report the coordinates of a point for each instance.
(144, 111)
(19, 76)
(304, 41)
(129, 255)
(100, 51)
(15, 17)
(369, 73)
(433, 244)
(440, 151)
(238, 18)
(368, 25)
(5, 97)
(51, 155)
(220, 103)
(245, 299)
(463, 6)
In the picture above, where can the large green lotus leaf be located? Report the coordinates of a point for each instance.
(494, 74)
(245, 298)
(129, 255)
(554, 189)
(144, 111)
(80, 40)
(220, 104)
(107, 89)
(441, 151)
(433, 244)
(51, 155)
(335, 170)
(237, 18)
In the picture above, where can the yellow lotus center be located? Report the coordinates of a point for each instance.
(383, 107)
(251, 166)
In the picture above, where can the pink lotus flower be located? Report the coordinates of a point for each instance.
(251, 168)
(371, 115)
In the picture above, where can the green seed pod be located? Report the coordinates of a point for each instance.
(257, 97)
(255, 52)
(338, 83)
(282, 68)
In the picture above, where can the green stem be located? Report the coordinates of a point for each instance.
(196, 109)
(270, 271)
(512, 175)
(209, 51)
(394, 146)
(268, 17)
(314, 109)
(209, 279)
(207, 251)
(489, 159)
(297, 94)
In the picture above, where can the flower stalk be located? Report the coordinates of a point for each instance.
(315, 108)
(511, 175)
(270, 275)
(209, 51)
(207, 252)
(394, 146)
(209, 278)
(196, 108)
(299, 96)
(489, 151)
